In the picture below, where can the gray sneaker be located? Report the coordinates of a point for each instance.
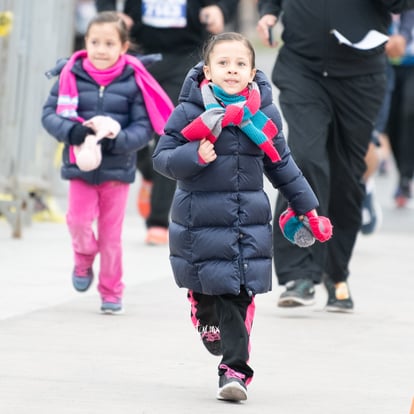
(231, 389)
(300, 292)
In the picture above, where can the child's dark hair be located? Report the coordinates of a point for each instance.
(226, 37)
(111, 17)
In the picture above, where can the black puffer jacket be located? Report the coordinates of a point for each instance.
(221, 235)
(308, 39)
(123, 101)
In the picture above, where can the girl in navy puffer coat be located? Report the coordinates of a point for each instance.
(104, 108)
(219, 141)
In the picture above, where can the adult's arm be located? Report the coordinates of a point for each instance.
(269, 11)
(273, 7)
(407, 25)
(229, 8)
(397, 6)
(397, 43)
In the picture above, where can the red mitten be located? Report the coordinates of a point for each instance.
(320, 226)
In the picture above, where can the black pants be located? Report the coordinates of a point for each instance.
(400, 126)
(170, 73)
(330, 122)
(234, 316)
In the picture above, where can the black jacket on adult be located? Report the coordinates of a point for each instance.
(123, 101)
(170, 40)
(220, 234)
(308, 25)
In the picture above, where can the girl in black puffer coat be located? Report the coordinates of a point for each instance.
(220, 140)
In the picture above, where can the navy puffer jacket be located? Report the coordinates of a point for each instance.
(122, 100)
(221, 234)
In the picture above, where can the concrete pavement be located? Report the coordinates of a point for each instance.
(59, 355)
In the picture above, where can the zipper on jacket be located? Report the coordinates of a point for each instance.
(100, 98)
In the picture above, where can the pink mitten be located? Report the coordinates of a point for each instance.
(320, 226)
(88, 155)
(104, 126)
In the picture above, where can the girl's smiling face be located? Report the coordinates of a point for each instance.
(104, 45)
(230, 66)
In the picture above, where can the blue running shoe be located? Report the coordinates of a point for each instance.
(82, 279)
(112, 308)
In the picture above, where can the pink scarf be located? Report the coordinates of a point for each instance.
(157, 102)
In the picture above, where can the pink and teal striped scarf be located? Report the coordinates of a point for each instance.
(224, 110)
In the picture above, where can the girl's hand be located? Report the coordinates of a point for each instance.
(206, 151)
(104, 126)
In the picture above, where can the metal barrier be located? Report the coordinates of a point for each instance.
(33, 35)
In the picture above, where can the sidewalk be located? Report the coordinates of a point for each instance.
(59, 355)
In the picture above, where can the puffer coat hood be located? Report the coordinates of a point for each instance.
(220, 231)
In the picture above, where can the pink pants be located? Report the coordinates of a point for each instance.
(105, 203)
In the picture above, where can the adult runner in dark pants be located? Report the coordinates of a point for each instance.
(330, 94)
(177, 30)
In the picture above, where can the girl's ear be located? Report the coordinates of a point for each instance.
(206, 71)
(252, 74)
(125, 47)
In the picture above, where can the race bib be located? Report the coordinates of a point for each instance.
(164, 13)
